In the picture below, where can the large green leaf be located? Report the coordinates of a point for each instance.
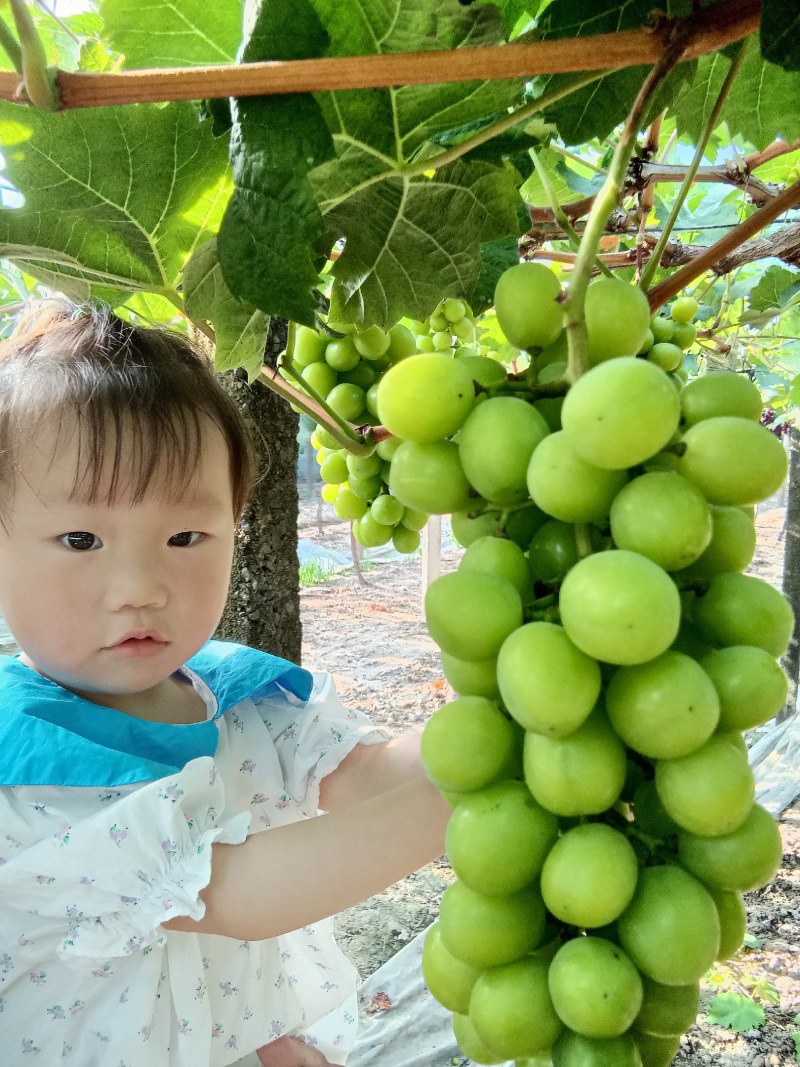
(595, 110)
(761, 106)
(267, 238)
(115, 198)
(173, 33)
(240, 330)
(780, 33)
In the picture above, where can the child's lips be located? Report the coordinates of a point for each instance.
(138, 643)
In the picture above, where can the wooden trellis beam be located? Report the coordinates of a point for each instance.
(714, 28)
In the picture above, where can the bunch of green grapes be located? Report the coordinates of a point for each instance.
(344, 366)
(607, 652)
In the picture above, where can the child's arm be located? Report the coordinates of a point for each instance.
(371, 769)
(289, 876)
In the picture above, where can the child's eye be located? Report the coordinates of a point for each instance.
(184, 539)
(81, 541)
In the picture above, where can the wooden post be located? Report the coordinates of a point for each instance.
(431, 552)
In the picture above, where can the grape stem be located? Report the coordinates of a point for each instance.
(10, 46)
(605, 202)
(710, 125)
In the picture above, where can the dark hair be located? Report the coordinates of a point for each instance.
(137, 397)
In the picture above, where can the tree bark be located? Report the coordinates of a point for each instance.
(791, 570)
(263, 608)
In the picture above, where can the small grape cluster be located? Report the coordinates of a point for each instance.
(344, 366)
(607, 652)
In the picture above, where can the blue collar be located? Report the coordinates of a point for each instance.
(50, 736)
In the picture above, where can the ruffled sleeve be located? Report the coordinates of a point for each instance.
(312, 738)
(102, 885)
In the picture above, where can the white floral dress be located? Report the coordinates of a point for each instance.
(89, 872)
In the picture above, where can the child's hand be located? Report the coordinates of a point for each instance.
(291, 1052)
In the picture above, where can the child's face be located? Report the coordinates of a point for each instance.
(110, 599)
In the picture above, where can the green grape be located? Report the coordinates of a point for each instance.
(552, 552)
(369, 533)
(362, 375)
(617, 319)
(448, 979)
(739, 609)
(751, 685)
(463, 329)
(425, 398)
(405, 541)
(309, 347)
(580, 774)
(647, 343)
(740, 861)
(342, 355)
(387, 510)
(656, 1051)
(371, 399)
(429, 477)
(758, 470)
(348, 401)
(685, 335)
(731, 548)
(708, 792)
(470, 614)
(546, 683)
(523, 523)
(486, 372)
(719, 394)
(620, 607)
(665, 355)
(466, 743)
(684, 309)
(414, 520)
(667, 1010)
(498, 837)
(326, 438)
(650, 814)
(589, 876)
(401, 343)
(467, 526)
(363, 466)
(372, 343)
(438, 322)
(671, 928)
(387, 448)
(365, 488)
(575, 1050)
(662, 516)
(489, 931)
(470, 1044)
(662, 328)
(495, 445)
(732, 921)
(471, 677)
(329, 493)
(620, 413)
(442, 341)
(665, 708)
(319, 377)
(567, 486)
(512, 1011)
(526, 300)
(596, 990)
(348, 506)
(333, 468)
(495, 555)
(453, 310)
(424, 343)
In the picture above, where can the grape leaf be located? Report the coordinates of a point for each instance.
(780, 33)
(272, 223)
(113, 197)
(240, 330)
(777, 289)
(756, 107)
(173, 33)
(736, 1012)
(596, 109)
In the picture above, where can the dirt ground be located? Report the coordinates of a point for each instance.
(372, 638)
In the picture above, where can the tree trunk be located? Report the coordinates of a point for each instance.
(263, 608)
(791, 570)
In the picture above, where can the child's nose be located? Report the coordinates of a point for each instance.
(136, 584)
